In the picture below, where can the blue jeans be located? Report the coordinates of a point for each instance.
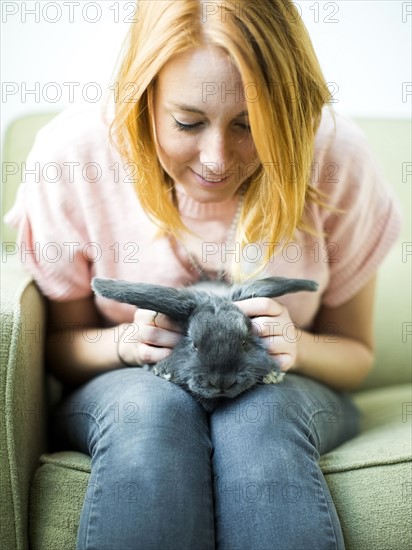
(166, 475)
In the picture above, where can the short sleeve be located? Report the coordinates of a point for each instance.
(51, 236)
(370, 220)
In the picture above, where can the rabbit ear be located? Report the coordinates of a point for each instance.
(271, 287)
(174, 303)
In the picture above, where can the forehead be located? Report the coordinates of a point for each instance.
(219, 322)
(205, 76)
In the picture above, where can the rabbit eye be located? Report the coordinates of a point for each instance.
(194, 346)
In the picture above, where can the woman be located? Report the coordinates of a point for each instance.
(224, 162)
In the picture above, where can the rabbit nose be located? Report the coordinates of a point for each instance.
(222, 383)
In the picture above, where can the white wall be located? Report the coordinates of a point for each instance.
(364, 47)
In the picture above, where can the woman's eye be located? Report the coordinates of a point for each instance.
(244, 127)
(184, 127)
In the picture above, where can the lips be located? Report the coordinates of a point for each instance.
(212, 181)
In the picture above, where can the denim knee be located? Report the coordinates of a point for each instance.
(150, 448)
(267, 444)
(298, 407)
(129, 404)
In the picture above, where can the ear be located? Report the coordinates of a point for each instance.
(271, 287)
(174, 303)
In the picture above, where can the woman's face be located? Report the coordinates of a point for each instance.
(202, 126)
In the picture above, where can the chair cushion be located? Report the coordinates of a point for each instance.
(56, 500)
(370, 477)
(367, 477)
(385, 436)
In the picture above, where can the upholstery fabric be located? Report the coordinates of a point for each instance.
(22, 401)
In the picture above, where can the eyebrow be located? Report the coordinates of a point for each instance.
(191, 109)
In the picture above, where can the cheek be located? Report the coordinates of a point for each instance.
(250, 150)
(249, 157)
(175, 149)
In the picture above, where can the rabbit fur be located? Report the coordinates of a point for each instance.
(218, 356)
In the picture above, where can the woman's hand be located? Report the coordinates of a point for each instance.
(149, 339)
(271, 321)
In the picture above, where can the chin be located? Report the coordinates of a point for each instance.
(212, 196)
(214, 193)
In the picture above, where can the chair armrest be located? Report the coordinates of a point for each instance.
(23, 410)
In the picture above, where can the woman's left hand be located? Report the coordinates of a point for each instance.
(271, 321)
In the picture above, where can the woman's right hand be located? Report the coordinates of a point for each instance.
(149, 339)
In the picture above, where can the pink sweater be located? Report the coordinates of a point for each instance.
(78, 216)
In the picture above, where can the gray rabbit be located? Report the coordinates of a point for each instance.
(218, 356)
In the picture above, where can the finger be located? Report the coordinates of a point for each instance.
(272, 343)
(155, 336)
(151, 354)
(267, 326)
(277, 344)
(260, 307)
(280, 352)
(157, 319)
(285, 361)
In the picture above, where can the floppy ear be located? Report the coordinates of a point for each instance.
(271, 287)
(175, 303)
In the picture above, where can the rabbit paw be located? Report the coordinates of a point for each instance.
(273, 377)
(162, 373)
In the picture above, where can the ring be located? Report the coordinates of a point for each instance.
(154, 319)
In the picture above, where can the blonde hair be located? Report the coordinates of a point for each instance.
(270, 47)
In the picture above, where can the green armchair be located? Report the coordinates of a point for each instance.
(370, 477)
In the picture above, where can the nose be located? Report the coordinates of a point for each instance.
(222, 383)
(215, 153)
